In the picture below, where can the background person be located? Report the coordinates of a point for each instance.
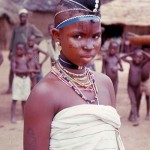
(20, 34)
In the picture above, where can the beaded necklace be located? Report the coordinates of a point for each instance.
(65, 78)
(71, 73)
(77, 80)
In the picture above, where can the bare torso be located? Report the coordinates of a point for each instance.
(21, 67)
(134, 78)
(111, 63)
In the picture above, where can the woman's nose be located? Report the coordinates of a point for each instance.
(88, 45)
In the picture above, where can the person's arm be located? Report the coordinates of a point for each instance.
(37, 33)
(44, 53)
(120, 64)
(124, 58)
(1, 58)
(11, 45)
(38, 115)
(51, 50)
(37, 68)
(14, 68)
(147, 58)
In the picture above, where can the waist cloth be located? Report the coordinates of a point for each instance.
(86, 127)
(21, 88)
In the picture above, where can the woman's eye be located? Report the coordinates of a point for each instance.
(77, 36)
(96, 36)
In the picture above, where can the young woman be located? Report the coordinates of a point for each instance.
(72, 108)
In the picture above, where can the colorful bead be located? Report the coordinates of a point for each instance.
(66, 79)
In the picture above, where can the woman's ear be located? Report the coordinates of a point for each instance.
(56, 34)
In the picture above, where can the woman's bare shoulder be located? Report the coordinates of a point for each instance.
(43, 92)
(105, 88)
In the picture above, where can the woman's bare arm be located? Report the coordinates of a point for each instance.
(38, 115)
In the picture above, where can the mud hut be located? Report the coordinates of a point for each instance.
(8, 17)
(130, 16)
(42, 13)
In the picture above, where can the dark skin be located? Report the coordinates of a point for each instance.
(20, 68)
(33, 66)
(23, 21)
(134, 80)
(1, 58)
(20, 62)
(111, 64)
(80, 42)
(36, 50)
(145, 76)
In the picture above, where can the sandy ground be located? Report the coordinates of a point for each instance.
(11, 135)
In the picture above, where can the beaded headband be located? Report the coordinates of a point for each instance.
(72, 9)
(94, 10)
(77, 19)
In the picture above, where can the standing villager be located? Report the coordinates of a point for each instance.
(134, 81)
(74, 107)
(20, 34)
(21, 84)
(112, 64)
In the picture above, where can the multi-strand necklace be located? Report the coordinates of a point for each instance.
(80, 79)
(65, 76)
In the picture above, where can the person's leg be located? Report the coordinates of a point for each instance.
(13, 110)
(10, 81)
(39, 76)
(138, 105)
(115, 83)
(34, 82)
(133, 113)
(23, 104)
(139, 93)
(148, 107)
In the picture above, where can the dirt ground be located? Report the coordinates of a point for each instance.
(11, 135)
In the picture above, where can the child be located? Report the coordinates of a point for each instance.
(21, 83)
(110, 64)
(34, 68)
(37, 51)
(145, 84)
(134, 80)
(73, 106)
(1, 58)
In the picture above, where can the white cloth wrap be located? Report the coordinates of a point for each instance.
(21, 88)
(86, 127)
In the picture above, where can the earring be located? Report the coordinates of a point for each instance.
(58, 46)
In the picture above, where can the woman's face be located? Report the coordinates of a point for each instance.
(80, 41)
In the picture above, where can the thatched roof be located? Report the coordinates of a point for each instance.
(45, 5)
(10, 10)
(40, 5)
(128, 12)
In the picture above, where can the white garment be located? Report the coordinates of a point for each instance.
(21, 88)
(54, 53)
(86, 127)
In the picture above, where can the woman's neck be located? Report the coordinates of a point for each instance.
(69, 65)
